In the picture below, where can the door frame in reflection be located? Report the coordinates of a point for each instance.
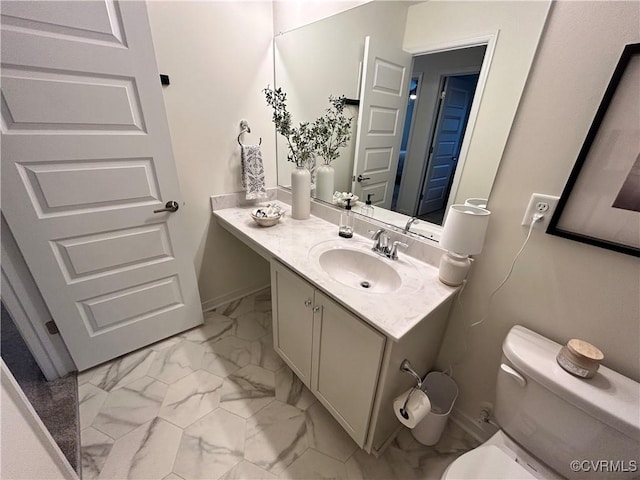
(434, 211)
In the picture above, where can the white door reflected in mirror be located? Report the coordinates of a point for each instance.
(464, 168)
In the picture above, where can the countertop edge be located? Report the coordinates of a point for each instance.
(268, 254)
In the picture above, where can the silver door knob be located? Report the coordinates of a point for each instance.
(170, 206)
(307, 303)
(361, 178)
(316, 308)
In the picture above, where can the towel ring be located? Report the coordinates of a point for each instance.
(244, 128)
(246, 131)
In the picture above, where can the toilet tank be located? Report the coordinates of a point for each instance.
(582, 428)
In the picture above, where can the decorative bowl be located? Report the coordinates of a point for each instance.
(267, 216)
(340, 199)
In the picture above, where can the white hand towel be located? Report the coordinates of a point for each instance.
(253, 172)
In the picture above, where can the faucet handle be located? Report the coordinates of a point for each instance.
(393, 253)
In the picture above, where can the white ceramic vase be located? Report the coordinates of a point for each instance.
(325, 181)
(300, 193)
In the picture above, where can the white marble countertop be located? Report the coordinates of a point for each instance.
(290, 241)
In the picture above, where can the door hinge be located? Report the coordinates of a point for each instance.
(431, 149)
(443, 94)
(52, 328)
(421, 196)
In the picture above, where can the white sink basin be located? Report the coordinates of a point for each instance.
(352, 263)
(358, 269)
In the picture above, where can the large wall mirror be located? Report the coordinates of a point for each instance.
(437, 85)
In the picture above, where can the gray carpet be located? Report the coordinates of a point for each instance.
(56, 402)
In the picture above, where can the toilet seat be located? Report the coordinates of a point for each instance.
(486, 461)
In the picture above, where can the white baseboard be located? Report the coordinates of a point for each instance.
(469, 425)
(232, 296)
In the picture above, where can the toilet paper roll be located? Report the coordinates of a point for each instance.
(417, 407)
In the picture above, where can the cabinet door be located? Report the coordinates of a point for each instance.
(347, 357)
(292, 303)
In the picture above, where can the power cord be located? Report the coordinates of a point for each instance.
(452, 363)
(537, 217)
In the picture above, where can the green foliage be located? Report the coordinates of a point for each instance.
(324, 137)
(332, 131)
(300, 140)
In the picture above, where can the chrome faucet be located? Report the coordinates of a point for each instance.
(381, 244)
(408, 225)
(380, 241)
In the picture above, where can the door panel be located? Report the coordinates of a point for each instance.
(134, 178)
(383, 121)
(378, 159)
(132, 304)
(447, 141)
(38, 100)
(96, 20)
(101, 253)
(86, 158)
(383, 101)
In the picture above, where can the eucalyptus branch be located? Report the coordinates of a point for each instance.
(300, 141)
(333, 130)
(325, 137)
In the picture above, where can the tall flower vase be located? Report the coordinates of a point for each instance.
(300, 193)
(325, 181)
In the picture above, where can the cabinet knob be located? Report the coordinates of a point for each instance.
(307, 302)
(316, 308)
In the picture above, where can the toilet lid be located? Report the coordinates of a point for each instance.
(489, 462)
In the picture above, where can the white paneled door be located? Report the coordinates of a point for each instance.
(86, 159)
(383, 104)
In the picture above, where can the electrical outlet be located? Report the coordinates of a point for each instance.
(543, 204)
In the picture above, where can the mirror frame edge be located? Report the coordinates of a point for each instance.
(489, 40)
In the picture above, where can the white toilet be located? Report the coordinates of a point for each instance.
(555, 425)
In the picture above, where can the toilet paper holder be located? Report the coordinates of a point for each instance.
(405, 367)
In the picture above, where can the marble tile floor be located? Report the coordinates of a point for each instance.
(217, 402)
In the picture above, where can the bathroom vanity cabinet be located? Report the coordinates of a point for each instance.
(335, 354)
(351, 368)
(344, 344)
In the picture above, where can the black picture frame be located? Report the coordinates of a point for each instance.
(587, 161)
